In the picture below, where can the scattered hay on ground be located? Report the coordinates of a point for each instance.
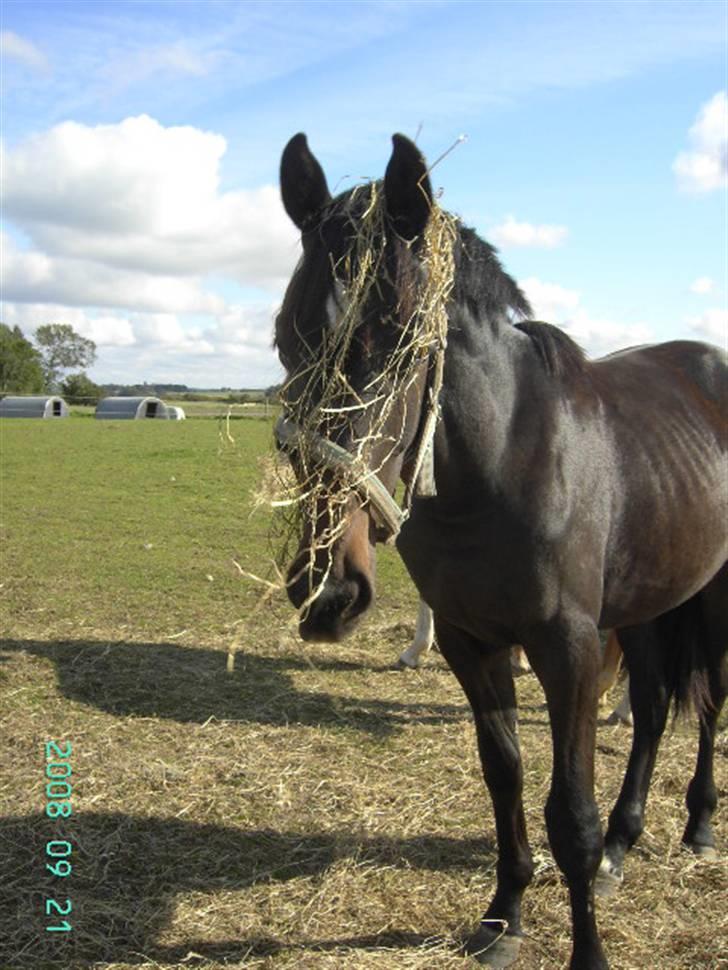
(316, 809)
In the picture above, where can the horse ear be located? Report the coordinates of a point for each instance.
(303, 183)
(407, 188)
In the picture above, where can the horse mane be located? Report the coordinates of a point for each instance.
(560, 355)
(485, 287)
(481, 283)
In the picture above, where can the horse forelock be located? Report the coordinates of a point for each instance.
(316, 291)
(350, 263)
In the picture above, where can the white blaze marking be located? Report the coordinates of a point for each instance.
(335, 305)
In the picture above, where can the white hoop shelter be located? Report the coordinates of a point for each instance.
(131, 408)
(33, 407)
(176, 413)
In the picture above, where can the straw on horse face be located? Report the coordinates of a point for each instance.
(338, 456)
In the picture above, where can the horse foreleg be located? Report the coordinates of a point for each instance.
(486, 678)
(423, 639)
(566, 660)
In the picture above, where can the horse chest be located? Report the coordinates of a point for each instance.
(477, 572)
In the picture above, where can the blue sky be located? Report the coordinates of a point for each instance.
(141, 143)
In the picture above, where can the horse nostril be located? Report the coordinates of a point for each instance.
(360, 589)
(300, 581)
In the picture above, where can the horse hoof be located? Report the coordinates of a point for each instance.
(616, 718)
(608, 879)
(493, 948)
(706, 852)
(403, 664)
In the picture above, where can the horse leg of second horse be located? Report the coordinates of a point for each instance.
(611, 662)
(424, 636)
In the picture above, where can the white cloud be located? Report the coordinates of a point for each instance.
(17, 48)
(241, 328)
(108, 331)
(702, 285)
(711, 325)
(130, 239)
(705, 166)
(549, 300)
(513, 233)
(139, 196)
(105, 330)
(598, 336)
(33, 276)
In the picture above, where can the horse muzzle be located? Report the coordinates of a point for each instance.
(336, 608)
(335, 611)
(332, 595)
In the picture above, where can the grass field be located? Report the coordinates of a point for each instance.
(315, 808)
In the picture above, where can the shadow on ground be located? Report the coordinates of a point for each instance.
(127, 871)
(191, 685)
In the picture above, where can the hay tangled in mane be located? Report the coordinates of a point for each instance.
(320, 397)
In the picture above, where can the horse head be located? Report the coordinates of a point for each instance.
(360, 324)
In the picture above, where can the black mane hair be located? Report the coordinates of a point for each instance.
(481, 283)
(484, 286)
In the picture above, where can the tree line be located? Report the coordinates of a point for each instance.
(47, 366)
(55, 364)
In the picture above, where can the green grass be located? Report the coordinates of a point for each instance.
(112, 523)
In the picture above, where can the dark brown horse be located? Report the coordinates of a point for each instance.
(568, 495)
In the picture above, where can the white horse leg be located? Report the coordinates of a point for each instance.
(611, 664)
(424, 636)
(519, 662)
(622, 713)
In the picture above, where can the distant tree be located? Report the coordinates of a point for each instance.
(80, 389)
(21, 366)
(62, 349)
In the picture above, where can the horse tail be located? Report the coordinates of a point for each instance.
(686, 658)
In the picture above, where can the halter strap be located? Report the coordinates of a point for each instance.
(422, 480)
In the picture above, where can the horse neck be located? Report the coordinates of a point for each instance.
(480, 397)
